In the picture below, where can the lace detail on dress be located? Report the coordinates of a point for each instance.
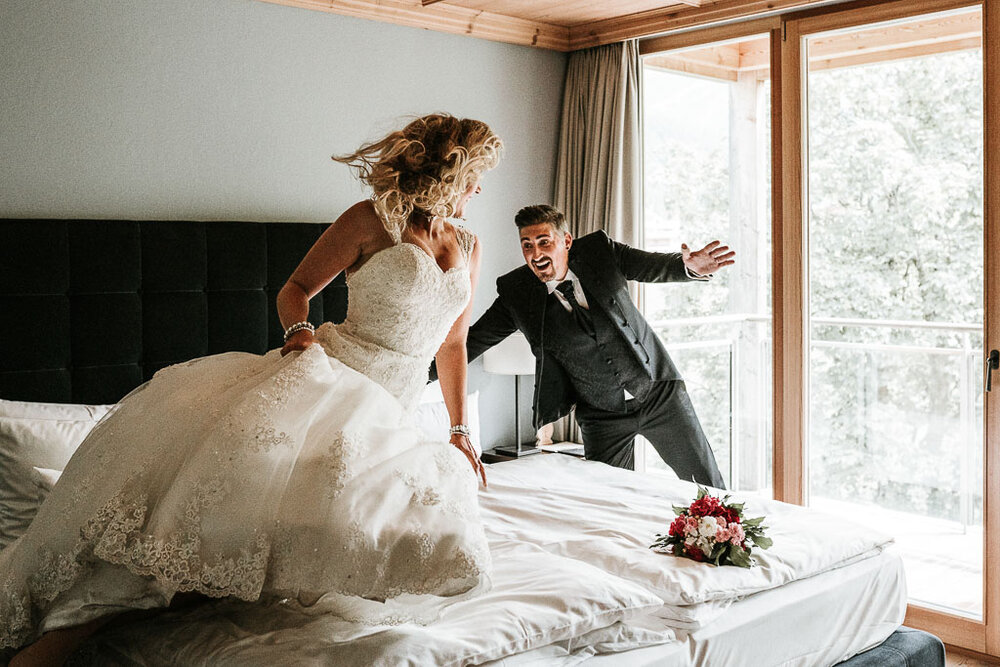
(400, 310)
(340, 459)
(15, 606)
(466, 241)
(428, 495)
(115, 535)
(248, 424)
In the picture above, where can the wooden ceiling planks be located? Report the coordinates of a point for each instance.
(568, 25)
(560, 25)
(445, 17)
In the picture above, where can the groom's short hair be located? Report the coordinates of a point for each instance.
(541, 214)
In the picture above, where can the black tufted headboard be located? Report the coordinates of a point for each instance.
(90, 309)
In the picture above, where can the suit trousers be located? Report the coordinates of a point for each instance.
(667, 419)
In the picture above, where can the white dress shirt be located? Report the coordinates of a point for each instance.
(581, 298)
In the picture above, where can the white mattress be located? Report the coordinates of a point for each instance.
(809, 623)
(574, 577)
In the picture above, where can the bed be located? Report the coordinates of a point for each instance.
(574, 581)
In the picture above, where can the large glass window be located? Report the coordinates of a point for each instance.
(707, 177)
(895, 291)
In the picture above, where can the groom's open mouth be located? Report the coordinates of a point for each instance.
(542, 265)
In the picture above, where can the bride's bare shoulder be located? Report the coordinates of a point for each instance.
(360, 222)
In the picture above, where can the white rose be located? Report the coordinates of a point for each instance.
(707, 526)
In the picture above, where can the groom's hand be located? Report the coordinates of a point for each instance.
(709, 259)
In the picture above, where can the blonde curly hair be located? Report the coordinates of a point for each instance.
(426, 166)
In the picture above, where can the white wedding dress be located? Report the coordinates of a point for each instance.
(270, 478)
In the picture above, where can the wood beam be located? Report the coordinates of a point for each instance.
(691, 66)
(675, 17)
(444, 17)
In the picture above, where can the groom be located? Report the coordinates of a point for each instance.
(593, 348)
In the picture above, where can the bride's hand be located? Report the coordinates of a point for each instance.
(465, 446)
(298, 342)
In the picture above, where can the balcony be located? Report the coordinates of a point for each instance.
(894, 431)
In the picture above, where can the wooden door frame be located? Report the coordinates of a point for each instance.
(976, 635)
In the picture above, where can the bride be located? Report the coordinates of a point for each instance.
(293, 476)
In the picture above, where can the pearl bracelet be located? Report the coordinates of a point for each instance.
(298, 326)
(460, 429)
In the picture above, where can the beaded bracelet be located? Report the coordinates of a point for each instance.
(460, 429)
(298, 326)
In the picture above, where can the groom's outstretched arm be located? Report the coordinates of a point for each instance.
(494, 325)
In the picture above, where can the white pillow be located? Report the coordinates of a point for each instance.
(36, 435)
(431, 416)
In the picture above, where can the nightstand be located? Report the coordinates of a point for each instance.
(489, 456)
(569, 448)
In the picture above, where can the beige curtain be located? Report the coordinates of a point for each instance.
(599, 167)
(598, 171)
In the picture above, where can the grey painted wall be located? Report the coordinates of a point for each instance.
(230, 109)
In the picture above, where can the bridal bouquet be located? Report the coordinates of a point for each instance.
(713, 531)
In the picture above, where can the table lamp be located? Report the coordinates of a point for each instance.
(512, 356)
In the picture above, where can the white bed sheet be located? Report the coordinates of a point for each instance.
(826, 591)
(813, 622)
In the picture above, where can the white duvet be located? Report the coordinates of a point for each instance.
(608, 517)
(573, 570)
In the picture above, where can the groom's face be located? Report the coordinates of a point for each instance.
(546, 250)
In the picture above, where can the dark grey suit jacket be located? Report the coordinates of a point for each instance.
(603, 267)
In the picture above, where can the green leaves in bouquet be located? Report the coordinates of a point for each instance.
(739, 557)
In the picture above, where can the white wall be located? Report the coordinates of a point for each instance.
(230, 109)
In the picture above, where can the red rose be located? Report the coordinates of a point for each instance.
(694, 553)
(677, 527)
(706, 506)
(732, 516)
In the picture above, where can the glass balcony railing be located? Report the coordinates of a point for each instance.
(895, 430)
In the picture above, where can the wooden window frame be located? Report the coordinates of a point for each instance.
(790, 278)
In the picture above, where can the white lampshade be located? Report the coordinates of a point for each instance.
(512, 356)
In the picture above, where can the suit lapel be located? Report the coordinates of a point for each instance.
(590, 283)
(536, 295)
